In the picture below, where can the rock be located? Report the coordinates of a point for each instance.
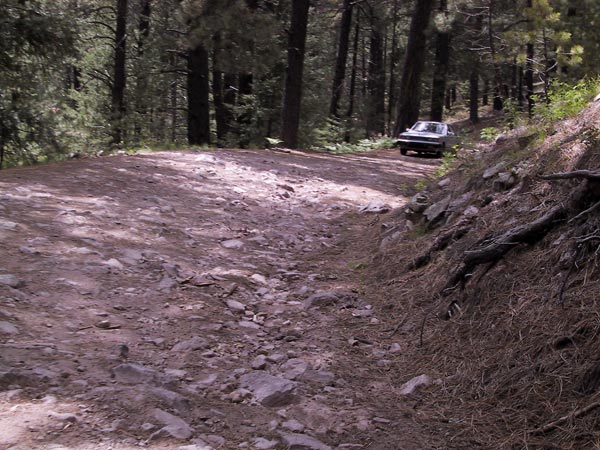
(318, 377)
(375, 208)
(174, 426)
(294, 368)
(239, 395)
(418, 203)
(171, 398)
(114, 264)
(232, 244)
(64, 417)
(259, 363)
(505, 181)
(322, 299)
(167, 283)
(8, 225)
(234, 305)
(258, 278)
(471, 211)
(493, 171)
(8, 328)
(276, 358)
(269, 390)
(134, 374)
(395, 348)
(249, 324)
(410, 386)
(196, 447)
(443, 183)
(195, 343)
(437, 210)
(293, 425)
(11, 281)
(263, 444)
(297, 441)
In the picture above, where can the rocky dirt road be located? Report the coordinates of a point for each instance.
(192, 301)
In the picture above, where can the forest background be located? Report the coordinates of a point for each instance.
(82, 77)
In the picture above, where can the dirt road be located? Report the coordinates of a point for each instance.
(195, 301)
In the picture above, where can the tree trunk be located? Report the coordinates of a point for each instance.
(198, 92)
(498, 103)
(440, 69)
(352, 91)
(290, 120)
(376, 80)
(119, 78)
(393, 62)
(529, 71)
(217, 91)
(141, 95)
(474, 94)
(414, 60)
(342, 57)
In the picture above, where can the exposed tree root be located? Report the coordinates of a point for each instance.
(440, 243)
(587, 174)
(493, 250)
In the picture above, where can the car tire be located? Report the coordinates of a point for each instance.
(441, 152)
(403, 151)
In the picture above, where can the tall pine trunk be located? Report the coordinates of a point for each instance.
(352, 91)
(342, 57)
(141, 88)
(119, 77)
(440, 69)
(376, 80)
(198, 93)
(393, 63)
(409, 101)
(290, 121)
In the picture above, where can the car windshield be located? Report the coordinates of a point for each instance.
(429, 127)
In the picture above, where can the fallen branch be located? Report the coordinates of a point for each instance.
(592, 208)
(555, 424)
(588, 174)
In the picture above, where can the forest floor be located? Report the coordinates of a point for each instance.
(200, 300)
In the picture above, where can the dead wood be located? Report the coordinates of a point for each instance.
(440, 243)
(588, 174)
(494, 249)
(566, 418)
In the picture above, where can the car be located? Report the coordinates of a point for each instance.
(428, 137)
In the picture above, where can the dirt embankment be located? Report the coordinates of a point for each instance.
(497, 266)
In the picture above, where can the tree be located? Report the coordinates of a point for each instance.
(376, 77)
(198, 96)
(119, 74)
(290, 118)
(441, 64)
(342, 57)
(410, 85)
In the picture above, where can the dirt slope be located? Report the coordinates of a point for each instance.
(140, 296)
(496, 267)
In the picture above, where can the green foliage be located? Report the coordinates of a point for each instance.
(449, 161)
(36, 38)
(489, 134)
(565, 100)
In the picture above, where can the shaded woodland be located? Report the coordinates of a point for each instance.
(79, 76)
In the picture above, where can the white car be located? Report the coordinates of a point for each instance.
(428, 137)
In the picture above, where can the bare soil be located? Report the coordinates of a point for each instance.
(113, 262)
